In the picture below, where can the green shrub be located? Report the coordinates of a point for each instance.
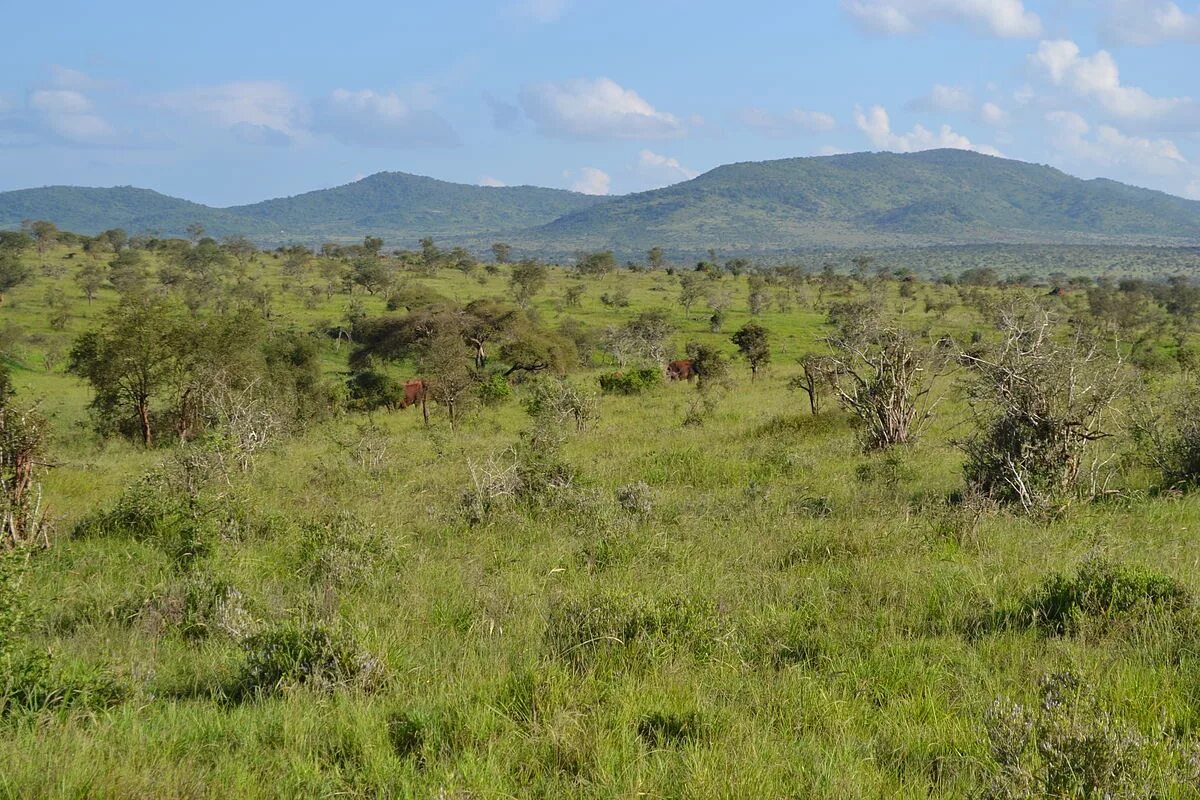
(578, 631)
(293, 655)
(494, 389)
(631, 381)
(30, 683)
(636, 498)
(407, 734)
(1067, 746)
(1099, 589)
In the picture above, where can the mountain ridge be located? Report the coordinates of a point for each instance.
(934, 197)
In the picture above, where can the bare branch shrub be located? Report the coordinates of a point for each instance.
(884, 376)
(1040, 401)
(23, 436)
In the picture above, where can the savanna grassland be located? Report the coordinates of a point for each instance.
(700, 590)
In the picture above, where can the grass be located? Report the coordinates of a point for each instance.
(773, 614)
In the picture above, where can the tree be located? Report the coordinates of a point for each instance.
(13, 272)
(708, 361)
(371, 273)
(431, 256)
(1041, 401)
(24, 435)
(501, 252)
(132, 361)
(691, 289)
(759, 298)
(527, 279)
(884, 376)
(643, 338)
(815, 375)
(599, 263)
(195, 231)
(90, 280)
(448, 378)
(44, 235)
(655, 258)
(753, 341)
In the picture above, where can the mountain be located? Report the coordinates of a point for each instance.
(937, 197)
(878, 200)
(400, 207)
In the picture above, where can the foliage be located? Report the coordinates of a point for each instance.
(633, 381)
(753, 342)
(292, 655)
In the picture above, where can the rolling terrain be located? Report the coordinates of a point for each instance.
(861, 200)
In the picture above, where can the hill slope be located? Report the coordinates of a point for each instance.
(857, 200)
(878, 199)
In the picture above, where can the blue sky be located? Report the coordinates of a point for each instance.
(232, 102)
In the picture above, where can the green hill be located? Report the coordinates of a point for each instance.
(938, 197)
(878, 200)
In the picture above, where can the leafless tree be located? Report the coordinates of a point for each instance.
(1041, 398)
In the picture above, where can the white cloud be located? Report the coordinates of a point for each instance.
(268, 109)
(1149, 22)
(993, 114)
(944, 99)
(543, 11)
(1074, 138)
(790, 123)
(1004, 18)
(488, 180)
(68, 115)
(59, 101)
(381, 119)
(877, 126)
(661, 170)
(595, 109)
(1097, 78)
(590, 180)
(67, 78)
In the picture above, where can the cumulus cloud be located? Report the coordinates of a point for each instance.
(67, 78)
(1075, 139)
(1097, 78)
(68, 115)
(1004, 18)
(877, 126)
(796, 122)
(589, 180)
(1146, 22)
(488, 180)
(661, 170)
(595, 109)
(944, 99)
(993, 114)
(381, 119)
(269, 109)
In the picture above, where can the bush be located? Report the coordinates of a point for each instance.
(1068, 746)
(293, 655)
(370, 390)
(631, 381)
(1099, 589)
(30, 683)
(579, 631)
(494, 390)
(660, 729)
(636, 498)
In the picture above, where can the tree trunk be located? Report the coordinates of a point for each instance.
(147, 431)
(425, 405)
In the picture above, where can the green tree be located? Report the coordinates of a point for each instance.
(13, 272)
(134, 360)
(753, 342)
(502, 252)
(527, 279)
(90, 280)
(691, 289)
(655, 258)
(601, 262)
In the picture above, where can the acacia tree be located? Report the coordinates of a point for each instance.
(655, 258)
(528, 278)
(815, 374)
(691, 289)
(501, 252)
(753, 341)
(1041, 401)
(135, 359)
(884, 376)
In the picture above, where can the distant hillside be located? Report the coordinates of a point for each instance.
(862, 200)
(877, 200)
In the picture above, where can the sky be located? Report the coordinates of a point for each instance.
(233, 102)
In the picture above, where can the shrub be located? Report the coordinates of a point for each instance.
(1099, 589)
(1067, 745)
(631, 381)
(494, 389)
(370, 390)
(558, 400)
(407, 734)
(291, 655)
(579, 631)
(30, 683)
(636, 498)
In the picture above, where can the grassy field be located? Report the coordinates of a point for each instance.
(747, 608)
